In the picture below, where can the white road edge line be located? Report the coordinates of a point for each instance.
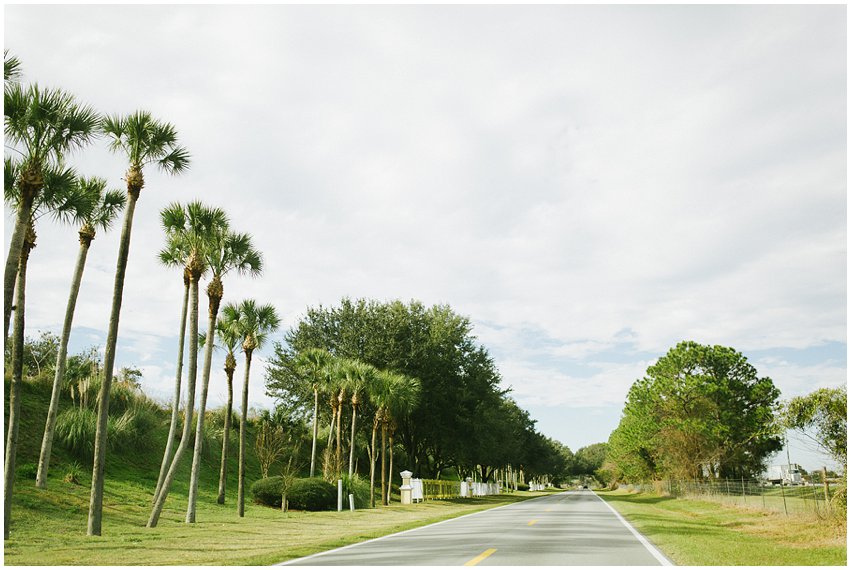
(323, 553)
(650, 548)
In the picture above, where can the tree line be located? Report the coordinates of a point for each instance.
(43, 128)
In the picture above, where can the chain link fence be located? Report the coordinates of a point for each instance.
(808, 498)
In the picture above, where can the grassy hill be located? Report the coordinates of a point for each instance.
(131, 468)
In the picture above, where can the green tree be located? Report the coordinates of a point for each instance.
(403, 397)
(825, 412)
(255, 323)
(142, 140)
(42, 126)
(229, 337)
(312, 363)
(700, 410)
(102, 209)
(226, 251)
(191, 227)
(359, 377)
(59, 195)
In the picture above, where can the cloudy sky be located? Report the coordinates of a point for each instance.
(589, 184)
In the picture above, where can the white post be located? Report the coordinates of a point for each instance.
(469, 487)
(405, 491)
(339, 495)
(351, 502)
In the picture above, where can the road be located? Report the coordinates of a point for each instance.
(574, 528)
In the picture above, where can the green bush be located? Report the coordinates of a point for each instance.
(522, 487)
(134, 429)
(75, 430)
(305, 494)
(357, 487)
(27, 471)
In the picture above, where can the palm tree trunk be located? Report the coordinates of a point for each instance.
(223, 472)
(159, 499)
(175, 407)
(243, 422)
(352, 446)
(390, 469)
(383, 464)
(202, 406)
(372, 467)
(338, 464)
(315, 430)
(15, 392)
(14, 257)
(96, 498)
(61, 358)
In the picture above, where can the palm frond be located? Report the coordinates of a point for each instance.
(11, 67)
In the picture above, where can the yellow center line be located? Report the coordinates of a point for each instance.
(531, 522)
(480, 557)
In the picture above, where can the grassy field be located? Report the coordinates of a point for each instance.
(698, 533)
(48, 526)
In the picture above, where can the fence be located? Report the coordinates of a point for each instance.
(787, 499)
(427, 489)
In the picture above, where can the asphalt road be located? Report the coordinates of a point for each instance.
(574, 528)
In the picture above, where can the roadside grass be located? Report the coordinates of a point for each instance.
(701, 533)
(50, 528)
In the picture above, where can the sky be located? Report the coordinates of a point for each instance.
(590, 185)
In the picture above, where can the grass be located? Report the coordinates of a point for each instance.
(48, 526)
(700, 533)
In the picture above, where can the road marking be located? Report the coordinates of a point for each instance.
(480, 557)
(531, 522)
(650, 548)
(548, 510)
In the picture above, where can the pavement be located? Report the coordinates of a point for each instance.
(574, 528)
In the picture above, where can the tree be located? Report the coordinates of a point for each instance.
(43, 126)
(403, 396)
(226, 251)
(229, 337)
(824, 411)
(313, 363)
(104, 208)
(191, 228)
(60, 197)
(359, 377)
(11, 68)
(143, 141)
(699, 411)
(255, 323)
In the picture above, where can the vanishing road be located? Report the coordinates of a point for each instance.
(574, 528)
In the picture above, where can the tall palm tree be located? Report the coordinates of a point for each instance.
(341, 373)
(379, 390)
(229, 336)
(143, 140)
(360, 376)
(255, 323)
(174, 255)
(102, 209)
(312, 363)
(61, 197)
(191, 227)
(42, 126)
(404, 396)
(227, 251)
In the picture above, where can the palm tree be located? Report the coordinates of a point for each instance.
(226, 251)
(143, 140)
(104, 205)
(379, 390)
(43, 126)
(254, 322)
(174, 255)
(360, 376)
(404, 396)
(312, 362)
(229, 336)
(61, 197)
(341, 374)
(191, 228)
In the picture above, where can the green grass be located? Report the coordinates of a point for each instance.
(699, 533)
(49, 526)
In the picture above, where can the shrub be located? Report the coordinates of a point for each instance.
(305, 494)
(134, 428)
(522, 487)
(75, 430)
(357, 487)
(73, 474)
